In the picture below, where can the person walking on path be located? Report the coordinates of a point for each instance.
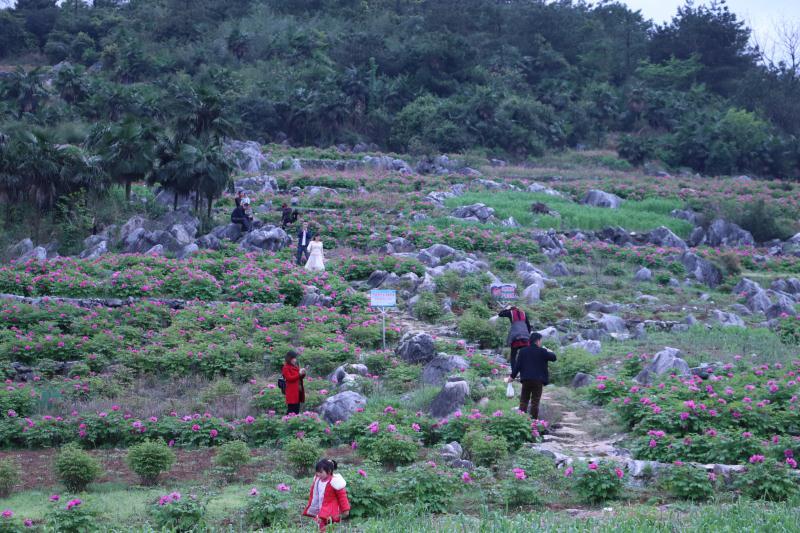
(316, 259)
(531, 367)
(327, 501)
(304, 237)
(519, 334)
(295, 392)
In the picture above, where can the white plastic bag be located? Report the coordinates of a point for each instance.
(510, 390)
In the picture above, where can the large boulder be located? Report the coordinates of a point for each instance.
(479, 212)
(581, 380)
(227, 232)
(416, 347)
(591, 346)
(441, 366)
(531, 294)
(643, 274)
(688, 215)
(268, 238)
(433, 255)
(549, 242)
(602, 307)
(340, 407)
(95, 246)
(453, 395)
(247, 155)
(611, 324)
(665, 361)
(728, 319)
(597, 198)
(614, 235)
(23, 247)
(722, 233)
(257, 185)
(663, 236)
(703, 271)
(538, 187)
(560, 270)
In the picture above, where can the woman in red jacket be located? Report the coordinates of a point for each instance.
(327, 501)
(293, 374)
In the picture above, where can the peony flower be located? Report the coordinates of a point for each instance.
(283, 487)
(254, 492)
(568, 471)
(55, 498)
(362, 473)
(519, 473)
(754, 459)
(592, 466)
(465, 477)
(619, 473)
(8, 513)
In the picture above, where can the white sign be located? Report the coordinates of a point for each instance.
(382, 298)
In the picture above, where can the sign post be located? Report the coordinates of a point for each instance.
(383, 299)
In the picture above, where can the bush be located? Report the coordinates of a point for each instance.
(231, 456)
(768, 480)
(689, 483)
(789, 330)
(426, 485)
(367, 493)
(520, 492)
(173, 512)
(393, 450)
(72, 517)
(478, 329)
(149, 460)
(484, 449)
(570, 363)
(428, 308)
(303, 454)
(597, 482)
(9, 476)
(75, 468)
(402, 377)
(268, 508)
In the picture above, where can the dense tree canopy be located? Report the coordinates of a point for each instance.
(511, 78)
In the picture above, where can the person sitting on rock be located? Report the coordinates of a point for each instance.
(241, 217)
(531, 366)
(519, 334)
(238, 198)
(288, 216)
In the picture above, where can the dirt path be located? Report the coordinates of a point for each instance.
(570, 438)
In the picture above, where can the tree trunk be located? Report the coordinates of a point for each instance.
(175, 201)
(210, 202)
(127, 191)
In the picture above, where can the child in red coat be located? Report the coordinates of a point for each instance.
(327, 501)
(293, 374)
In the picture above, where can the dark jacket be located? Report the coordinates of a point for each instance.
(520, 330)
(309, 236)
(286, 215)
(238, 214)
(531, 364)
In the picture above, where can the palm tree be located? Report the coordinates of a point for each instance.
(26, 88)
(71, 84)
(127, 150)
(200, 114)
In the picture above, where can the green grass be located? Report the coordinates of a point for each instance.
(632, 215)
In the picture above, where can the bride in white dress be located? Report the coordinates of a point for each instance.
(316, 260)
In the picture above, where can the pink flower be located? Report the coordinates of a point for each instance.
(391, 428)
(12, 413)
(373, 428)
(756, 459)
(465, 477)
(214, 433)
(254, 492)
(55, 498)
(362, 473)
(415, 427)
(73, 503)
(28, 522)
(592, 466)
(619, 473)
(568, 471)
(195, 427)
(519, 473)
(353, 445)
(653, 443)
(791, 462)
(712, 476)
(282, 487)
(8, 513)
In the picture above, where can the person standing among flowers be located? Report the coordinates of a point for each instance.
(519, 334)
(531, 366)
(304, 237)
(327, 500)
(295, 392)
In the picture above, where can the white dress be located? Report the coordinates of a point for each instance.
(316, 261)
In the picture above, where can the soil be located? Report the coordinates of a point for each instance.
(36, 466)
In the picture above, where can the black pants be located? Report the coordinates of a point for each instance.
(531, 392)
(292, 408)
(301, 250)
(513, 358)
(245, 223)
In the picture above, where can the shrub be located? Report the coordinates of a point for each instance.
(512, 425)
(173, 512)
(75, 468)
(268, 508)
(478, 329)
(303, 454)
(367, 493)
(394, 449)
(485, 450)
(72, 517)
(597, 482)
(9, 476)
(231, 456)
(149, 460)
(768, 480)
(402, 377)
(789, 330)
(570, 363)
(428, 308)
(427, 485)
(731, 264)
(519, 492)
(689, 483)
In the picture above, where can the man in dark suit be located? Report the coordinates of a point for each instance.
(531, 366)
(304, 237)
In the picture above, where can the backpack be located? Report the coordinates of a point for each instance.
(282, 385)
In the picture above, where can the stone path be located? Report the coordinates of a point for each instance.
(568, 438)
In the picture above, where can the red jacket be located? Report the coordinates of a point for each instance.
(295, 393)
(334, 501)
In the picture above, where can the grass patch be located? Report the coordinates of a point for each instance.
(633, 215)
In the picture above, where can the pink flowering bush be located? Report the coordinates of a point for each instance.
(71, 516)
(767, 480)
(270, 507)
(597, 482)
(179, 512)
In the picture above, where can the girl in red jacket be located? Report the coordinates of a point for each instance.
(293, 374)
(327, 501)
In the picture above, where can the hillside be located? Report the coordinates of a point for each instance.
(673, 400)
